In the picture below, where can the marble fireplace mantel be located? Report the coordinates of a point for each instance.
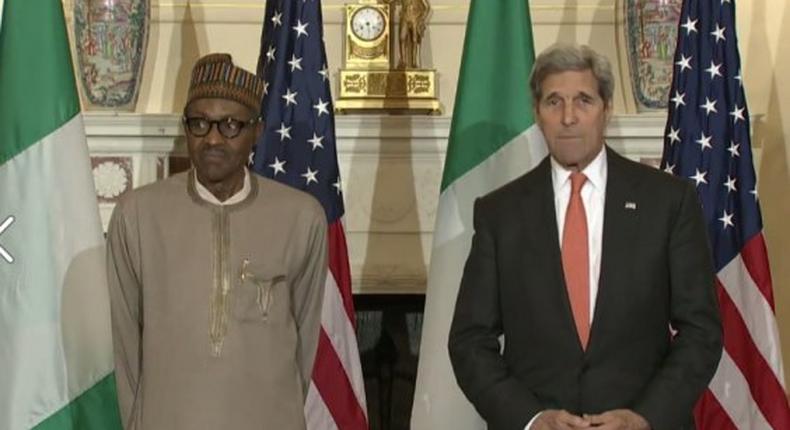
(390, 165)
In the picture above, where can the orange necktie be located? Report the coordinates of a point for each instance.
(576, 260)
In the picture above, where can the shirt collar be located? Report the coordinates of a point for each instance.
(595, 172)
(242, 194)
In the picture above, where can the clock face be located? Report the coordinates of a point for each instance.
(367, 23)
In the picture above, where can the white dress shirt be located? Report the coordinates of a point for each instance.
(594, 198)
(240, 195)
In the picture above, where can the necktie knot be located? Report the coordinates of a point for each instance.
(577, 181)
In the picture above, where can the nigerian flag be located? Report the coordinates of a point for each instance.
(55, 344)
(493, 140)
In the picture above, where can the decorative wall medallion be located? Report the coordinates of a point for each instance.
(112, 177)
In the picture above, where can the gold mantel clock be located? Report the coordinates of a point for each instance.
(369, 82)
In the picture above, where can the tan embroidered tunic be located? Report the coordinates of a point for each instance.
(215, 309)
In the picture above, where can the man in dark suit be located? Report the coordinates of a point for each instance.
(587, 300)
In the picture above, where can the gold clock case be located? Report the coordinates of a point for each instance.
(368, 54)
(370, 84)
(395, 91)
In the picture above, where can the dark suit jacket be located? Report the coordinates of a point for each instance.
(655, 270)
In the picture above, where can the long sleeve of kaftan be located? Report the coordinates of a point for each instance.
(308, 294)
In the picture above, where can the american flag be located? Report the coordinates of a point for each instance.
(708, 141)
(298, 148)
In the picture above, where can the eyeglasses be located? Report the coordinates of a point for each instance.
(227, 127)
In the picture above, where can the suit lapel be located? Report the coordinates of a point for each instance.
(620, 221)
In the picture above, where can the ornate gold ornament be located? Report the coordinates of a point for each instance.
(370, 81)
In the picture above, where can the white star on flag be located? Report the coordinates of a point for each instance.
(296, 63)
(278, 166)
(290, 97)
(679, 99)
(321, 107)
(709, 106)
(690, 25)
(674, 135)
(270, 54)
(714, 69)
(670, 169)
(284, 132)
(337, 185)
(737, 114)
(730, 184)
(324, 73)
(310, 175)
(718, 33)
(734, 149)
(277, 19)
(316, 141)
(704, 142)
(699, 177)
(301, 28)
(684, 63)
(265, 88)
(726, 220)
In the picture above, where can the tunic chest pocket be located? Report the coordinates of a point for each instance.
(259, 295)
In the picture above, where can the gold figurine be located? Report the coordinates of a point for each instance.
(412, 23)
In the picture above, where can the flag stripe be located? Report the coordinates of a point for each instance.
(454, 212)
(32, 107)
(57, 358)
(335, 389)
(716, 417)
(754, 255)
(731, 389)
(505, 24)
(316, 413)
(763, 385)
(338, 265)
(341, 334)
(96, 408)
(52, 350)
(751, 306)
(493, 140)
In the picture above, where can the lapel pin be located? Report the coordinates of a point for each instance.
(630, 205)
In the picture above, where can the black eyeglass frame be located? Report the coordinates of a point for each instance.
(220, 125)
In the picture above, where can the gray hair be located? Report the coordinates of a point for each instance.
(560, 58)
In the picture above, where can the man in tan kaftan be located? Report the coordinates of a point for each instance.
(216, 278)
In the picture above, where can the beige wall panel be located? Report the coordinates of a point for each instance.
(763, 30)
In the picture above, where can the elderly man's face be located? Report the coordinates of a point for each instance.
(573, 117)
(217, 157)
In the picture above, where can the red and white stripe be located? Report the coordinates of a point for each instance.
(747, 391)
(336, 398)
